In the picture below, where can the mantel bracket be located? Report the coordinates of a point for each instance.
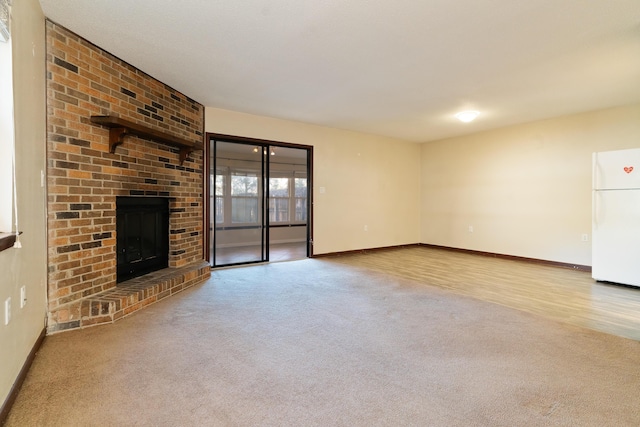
(184, 154)
(116, 137)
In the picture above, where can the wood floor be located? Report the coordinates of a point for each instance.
(562, 294)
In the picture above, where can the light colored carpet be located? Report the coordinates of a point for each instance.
(321, 343)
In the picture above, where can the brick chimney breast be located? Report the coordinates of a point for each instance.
(84, 179)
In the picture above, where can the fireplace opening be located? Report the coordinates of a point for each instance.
(142, 236)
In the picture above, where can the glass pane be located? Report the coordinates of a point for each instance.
(149, 233)
(301, 199)
(219, 210)
(279, 209)
(244, 184)
(278, 187)
(244, 210)
(279, 199)
(301, 208)
(220, 185)
(239, 236)
(133, 231)
(301, 187)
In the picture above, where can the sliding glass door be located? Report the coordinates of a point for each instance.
(288, 204)
(259, 201)
(238, 204)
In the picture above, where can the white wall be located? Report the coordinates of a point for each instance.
(26, 266)
(525, 190)
(368, 180)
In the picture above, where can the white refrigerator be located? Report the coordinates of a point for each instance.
(616, 217)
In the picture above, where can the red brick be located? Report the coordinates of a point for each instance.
(98, 92)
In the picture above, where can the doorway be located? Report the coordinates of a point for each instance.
(259, 201)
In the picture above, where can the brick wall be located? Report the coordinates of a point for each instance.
(84, 179)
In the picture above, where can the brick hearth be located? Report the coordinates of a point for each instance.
(134, 294)
(84, 179)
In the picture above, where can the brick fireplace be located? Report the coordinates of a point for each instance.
(142, 235)
(86, 172)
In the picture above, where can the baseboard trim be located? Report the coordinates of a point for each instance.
(364, 251)
(13, 393)
(570, 266)
(577, 267)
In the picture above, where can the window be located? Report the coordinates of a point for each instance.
(237, 201)
(5, 20)
(238, 189)
(6, 122)
(244, 198)
(282, 202)
(279, 199)
(220, 192)
(301, 199)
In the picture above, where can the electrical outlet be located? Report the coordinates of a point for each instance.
(585, 237)
(23, 296)
(366, 228)
(7, 311)
(471, 229)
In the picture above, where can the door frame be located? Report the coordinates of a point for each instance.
(246, 140)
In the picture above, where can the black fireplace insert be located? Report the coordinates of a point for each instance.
(142, 235)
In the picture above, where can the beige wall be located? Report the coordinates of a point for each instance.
(525, 190)
(26, 266)
(368, 180)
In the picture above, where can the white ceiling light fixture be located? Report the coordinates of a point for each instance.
(467, 116)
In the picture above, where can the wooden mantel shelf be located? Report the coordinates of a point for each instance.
(118, 128)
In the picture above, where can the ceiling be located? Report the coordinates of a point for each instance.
(395, 68)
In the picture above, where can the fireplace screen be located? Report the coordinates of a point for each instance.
(142, 235)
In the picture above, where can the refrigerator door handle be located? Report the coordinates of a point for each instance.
(594, 178)
(594, 203)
